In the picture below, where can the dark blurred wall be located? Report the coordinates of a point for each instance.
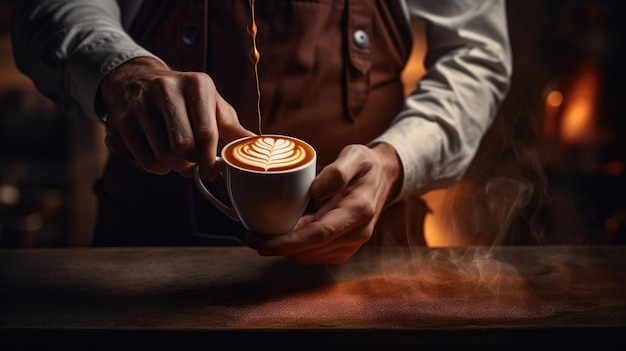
(48, 161)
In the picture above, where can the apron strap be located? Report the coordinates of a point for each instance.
(359, 36)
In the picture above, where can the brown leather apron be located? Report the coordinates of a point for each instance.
(329, 73)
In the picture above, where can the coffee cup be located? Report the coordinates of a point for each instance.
(267, 179)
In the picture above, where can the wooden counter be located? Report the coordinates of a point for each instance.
(90, 297)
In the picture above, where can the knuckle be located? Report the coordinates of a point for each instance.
(366, 210)
(361, 153)
(322, 233)
(164, 87)
(357, 149)
(196, 78)
(337, 173)
(205, 134)
(164, 82)
(197, 81)
(180, 144)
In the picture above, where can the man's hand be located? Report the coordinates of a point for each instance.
(351, 193)
(164, 120)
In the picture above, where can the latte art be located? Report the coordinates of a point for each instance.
(269, 153)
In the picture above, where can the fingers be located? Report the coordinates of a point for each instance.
(166, 120)
(126, 138)
(136, 143)
(353, 190)
(336, 251)
(167, 128)
(212, 119)
(341, 231)
(174, 111)
(201, 104)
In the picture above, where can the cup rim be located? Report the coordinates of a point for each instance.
(313, 159)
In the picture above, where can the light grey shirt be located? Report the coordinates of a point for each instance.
(68, 46)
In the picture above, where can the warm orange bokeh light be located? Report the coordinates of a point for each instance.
(580, 107)
(554, 98)
(415, 69)
(435, 229)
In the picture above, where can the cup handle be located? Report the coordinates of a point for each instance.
(229, 211)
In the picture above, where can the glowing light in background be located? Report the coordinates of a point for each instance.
(554, 100)
(435, 227)
(579, 109)
(9, 194)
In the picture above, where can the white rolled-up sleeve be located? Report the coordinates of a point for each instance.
(67, 47)
(468, 70)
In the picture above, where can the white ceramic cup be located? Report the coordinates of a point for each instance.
(268, 178)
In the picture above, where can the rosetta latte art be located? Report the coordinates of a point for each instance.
(269, 153)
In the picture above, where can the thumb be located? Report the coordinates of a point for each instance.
(330, 181)
(336, 176)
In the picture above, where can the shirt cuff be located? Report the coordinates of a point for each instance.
(93, 62)
(419, 144)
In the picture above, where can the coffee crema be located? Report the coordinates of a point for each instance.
(269, 153)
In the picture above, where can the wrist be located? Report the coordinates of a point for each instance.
(391, 167)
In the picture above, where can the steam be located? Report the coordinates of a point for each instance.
(504, 198)
(474, 218)
(472, 213)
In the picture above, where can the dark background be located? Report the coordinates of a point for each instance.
(48, 159)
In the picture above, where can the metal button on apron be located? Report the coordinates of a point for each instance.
(190, 36)
(361, 39)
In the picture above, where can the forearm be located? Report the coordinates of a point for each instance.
(468, 71)
(67, 47)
